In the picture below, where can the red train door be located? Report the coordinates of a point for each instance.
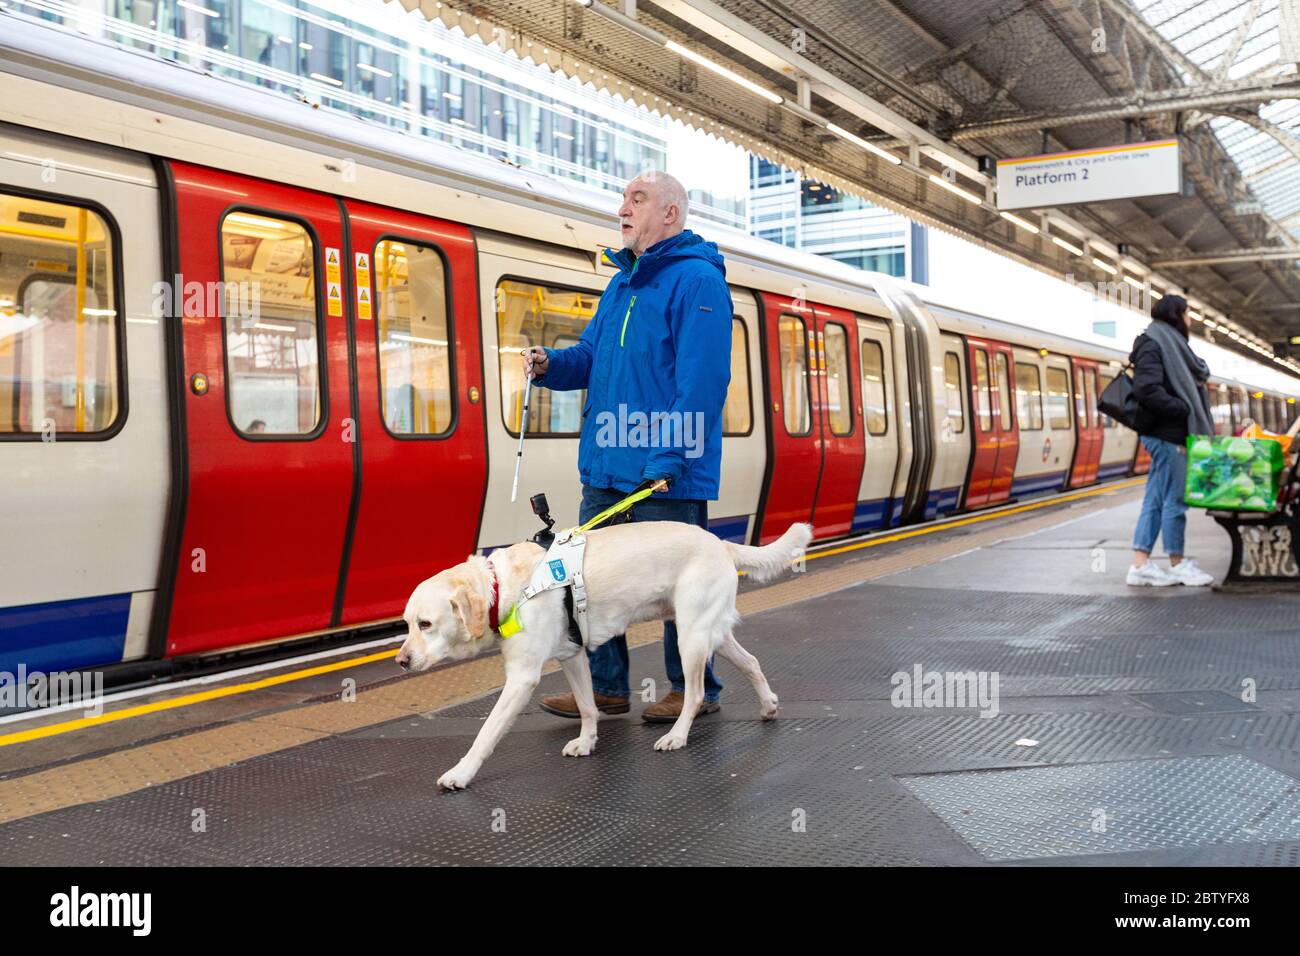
(838, 379)
(267, 410)
(421, 422)
(1087, 450)
(794, 468)
(994, 436)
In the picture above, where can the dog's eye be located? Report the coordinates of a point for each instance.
(423, 625)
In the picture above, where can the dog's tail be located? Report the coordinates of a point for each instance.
(770, 560)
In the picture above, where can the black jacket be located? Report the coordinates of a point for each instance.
(1161, 413)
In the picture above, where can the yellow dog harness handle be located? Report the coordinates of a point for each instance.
(512, 624)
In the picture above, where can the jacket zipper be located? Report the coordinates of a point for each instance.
(626, 316)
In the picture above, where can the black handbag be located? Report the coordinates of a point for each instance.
(1118, 401)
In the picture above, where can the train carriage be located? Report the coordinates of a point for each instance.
(245, 401)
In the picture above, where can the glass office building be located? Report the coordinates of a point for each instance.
(815, 217)
(380, 62)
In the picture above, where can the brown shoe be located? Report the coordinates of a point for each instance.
(670, 708)
(563, 705)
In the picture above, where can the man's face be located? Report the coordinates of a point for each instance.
(643, 220)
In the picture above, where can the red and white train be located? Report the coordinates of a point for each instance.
(259, 372)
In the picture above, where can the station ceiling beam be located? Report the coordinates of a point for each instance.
(1210, 96)
(1263, 254)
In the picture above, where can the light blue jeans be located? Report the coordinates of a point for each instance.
(609, 663)
(1163, 510)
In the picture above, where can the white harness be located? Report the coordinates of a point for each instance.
(561, 567)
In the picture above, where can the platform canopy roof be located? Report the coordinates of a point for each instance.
(900, 100)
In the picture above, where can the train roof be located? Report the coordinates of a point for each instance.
(59, 82)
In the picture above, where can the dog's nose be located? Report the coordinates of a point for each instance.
(404, 660)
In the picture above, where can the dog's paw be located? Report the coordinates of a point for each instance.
(769, 708)
(457, 778)
(579, 747)
(670, 742)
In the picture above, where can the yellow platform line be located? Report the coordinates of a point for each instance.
(185, 700)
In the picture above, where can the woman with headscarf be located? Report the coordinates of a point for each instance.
(1169, 383)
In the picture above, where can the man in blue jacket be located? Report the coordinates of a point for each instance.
(656, 361)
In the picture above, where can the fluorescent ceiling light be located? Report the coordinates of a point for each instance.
(963, 193)
(271, 326)
(373, 69)
(1104, 266)
(403, 337)
(247, 220)
(863, 144)
(1135, 283)
(722, 71)
(1022, 223)
(326, 79)
(1070, 247)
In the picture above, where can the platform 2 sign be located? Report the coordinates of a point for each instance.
(1090, 175)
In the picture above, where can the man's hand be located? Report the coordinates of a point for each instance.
(536, 362)
(659, 485)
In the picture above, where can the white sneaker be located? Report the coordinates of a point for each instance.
(1150, 575)
(1186, 572)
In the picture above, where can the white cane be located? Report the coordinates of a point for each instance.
(523, 430)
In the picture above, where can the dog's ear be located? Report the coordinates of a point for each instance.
(470, 607)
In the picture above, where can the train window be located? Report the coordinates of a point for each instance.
(793, 338)
(529, 313)
(873, 388)
(1058, 399)
(839, 386)
(1080, 402)
(983, 402)
(1220, 410)
(736, 413)
(1237, 403)
(414, 338)
(952, 386)
(59, 323)
(1094, 413)
(1004, 390)
(1029, 397)
(1106, 420)
(1257, 407)
(272, 351)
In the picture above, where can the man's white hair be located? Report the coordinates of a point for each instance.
(671, 191)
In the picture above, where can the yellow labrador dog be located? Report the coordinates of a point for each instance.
(643, 571)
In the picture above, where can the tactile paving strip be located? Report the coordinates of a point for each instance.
(1121, 807)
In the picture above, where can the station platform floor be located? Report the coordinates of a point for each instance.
(1120, 726)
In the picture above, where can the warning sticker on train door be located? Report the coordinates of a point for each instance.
(334, 303)
(332, 260)
(363, 285)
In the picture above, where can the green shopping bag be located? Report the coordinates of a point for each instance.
(1232, 474)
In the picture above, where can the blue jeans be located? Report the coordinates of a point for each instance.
(1163, 510)
(609, 661)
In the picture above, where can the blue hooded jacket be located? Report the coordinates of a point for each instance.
(656, 361)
